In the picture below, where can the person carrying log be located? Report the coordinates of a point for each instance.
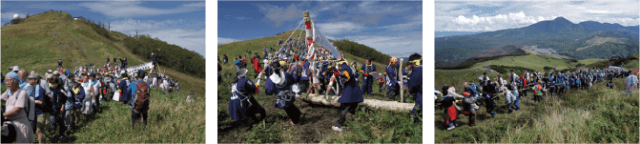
(351, 94)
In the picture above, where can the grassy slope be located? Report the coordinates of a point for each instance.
(368, 125)
(583, 116)
(597, 115)
(33, 45)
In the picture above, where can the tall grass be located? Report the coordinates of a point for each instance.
(379, 126)
(170, 120)
(596, 115)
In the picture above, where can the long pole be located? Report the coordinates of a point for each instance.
(401, 81)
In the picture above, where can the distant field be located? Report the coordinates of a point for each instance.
(531, 61)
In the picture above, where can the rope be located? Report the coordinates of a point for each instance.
(291, 35)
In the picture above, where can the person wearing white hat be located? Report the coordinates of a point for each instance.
(39, 97)
(15, 69)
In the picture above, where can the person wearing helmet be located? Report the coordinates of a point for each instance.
(391, 78)
(283, 82)
(351, 94)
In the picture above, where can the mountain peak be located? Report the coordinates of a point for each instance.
(561, 19)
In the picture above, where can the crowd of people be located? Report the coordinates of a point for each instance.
(60, 99)
(289, 73)
(553, 84)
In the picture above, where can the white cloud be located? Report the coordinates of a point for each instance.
(51, 6)
(413, 23)
(199, 4)
(328, 6)
(466, 16)
(392, 45)
(133, 25)
(338, 27)
(188, 39)
(280, 15)
(374, 7)
(193, 40)
(133, 8)
(222, 40)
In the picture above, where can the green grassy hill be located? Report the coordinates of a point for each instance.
(37, 42)
(597, 115)
(368, 125)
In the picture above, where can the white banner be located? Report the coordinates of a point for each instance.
(144, 66)
(615, 67)
(319, 39)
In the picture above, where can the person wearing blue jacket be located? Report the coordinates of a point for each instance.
(304, 79)
(351, 94)
(415, 85)
(242, 103)
(145, 109)
(58, 99)
(124, 88)
(282, 81)
(367, 83)
(269, 87)
(79, 95)
(238, 63)
(391, 78)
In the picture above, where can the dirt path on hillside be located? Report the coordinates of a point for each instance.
(86, 48)
(314, 126)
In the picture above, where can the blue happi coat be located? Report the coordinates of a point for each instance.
(305, 72)
(126, 92)
(351, 92)
(241, 93)
(286, 86)
(296, 73)
(391, 81)
(415, 88)
(367, 82)
(269, 87)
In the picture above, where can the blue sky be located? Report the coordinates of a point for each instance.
(393, 28)
(459, 17)
(177, 22)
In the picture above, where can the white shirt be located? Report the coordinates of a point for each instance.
(95, 87)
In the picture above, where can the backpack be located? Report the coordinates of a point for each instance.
(29, 108)
(142, 96)
(537, 90)
(46, 105)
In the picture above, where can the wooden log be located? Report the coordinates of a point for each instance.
(332, 100)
